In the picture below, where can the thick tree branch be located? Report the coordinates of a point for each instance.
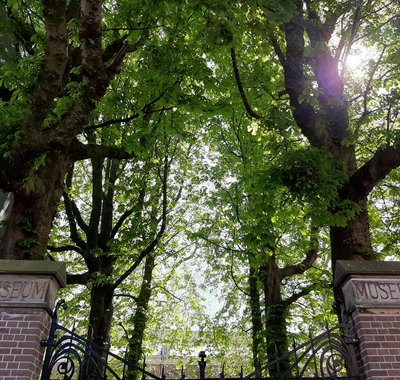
(95, 81)
(293, 68)
(326, 129)
(111, 122)
(329, 25)
(135, 299)
(294, 297)
(53, 66)
(121, 221)
(147, 109)
(118, 60)
(71, 206)
(309, 259)
(304, 114)
(372, 172)
(113, 48)
(73, 215)
(143, 254)
(78, 216)
(111, 176)
(278, 50)
(90, 33)
(306, 264)
(325, 66)
(74, 235)
(324, 29)
(97, 203)
(63, 248)
(239, 84)
(80, 151)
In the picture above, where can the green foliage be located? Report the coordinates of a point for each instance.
(308, 172)
(243, 187)
(20, 77)
(313, 177)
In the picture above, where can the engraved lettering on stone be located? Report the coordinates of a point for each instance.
(4, 289)
(39, 290)
(26, 290)
(377, 291)
(15, 289)
(23, 290)
(360, 290)
(384, 292)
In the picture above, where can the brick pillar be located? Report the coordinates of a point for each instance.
(371, 294)
(27, 295)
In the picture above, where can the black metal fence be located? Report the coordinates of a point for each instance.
(69, 356)
(330, 355)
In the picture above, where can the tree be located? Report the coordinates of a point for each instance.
(116, 226)
(308, 43)
(251, 223)
(70, 60)
(71, 70)
(48, 111)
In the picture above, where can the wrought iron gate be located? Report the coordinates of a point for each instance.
(330, 355)
(70, 356)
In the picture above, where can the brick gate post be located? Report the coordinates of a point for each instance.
(27, 295)
(371, 294)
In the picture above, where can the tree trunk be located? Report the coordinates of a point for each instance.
(256, 320)
(100, 318)
(36, 199)
(277, 342)
(101, 312)
(352, 242)
(275, 320)
(135, 347)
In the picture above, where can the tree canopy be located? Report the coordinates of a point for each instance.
(262, 135)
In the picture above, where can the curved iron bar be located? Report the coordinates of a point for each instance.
(321, 346)
(330, 348)
(63, 351)
(71, 354)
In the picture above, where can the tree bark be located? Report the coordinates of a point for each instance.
(352, 242)
(258, 342)
(135, 345)
(101, 312)
(275, 319)
(35, 203)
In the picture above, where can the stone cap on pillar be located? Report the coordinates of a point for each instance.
(30, 283)
(355, 268)
(369, 284)
(57, 269)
